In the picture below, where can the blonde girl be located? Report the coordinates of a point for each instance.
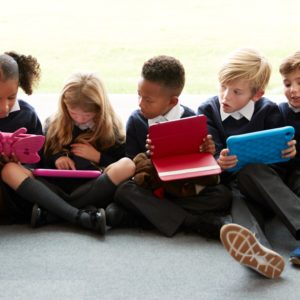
(84, 134)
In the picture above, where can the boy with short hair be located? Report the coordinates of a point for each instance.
(278, 189)
(290, 110)
(290, 72)
(159, 88)
(162, 81)
(240, 108)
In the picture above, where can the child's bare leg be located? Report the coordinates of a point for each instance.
(14, 174)
(121, 170)
(32, 190)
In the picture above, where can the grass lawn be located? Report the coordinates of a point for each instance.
(114, 38)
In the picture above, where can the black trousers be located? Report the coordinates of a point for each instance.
(247, 214)
(167, 215)
(272, 190)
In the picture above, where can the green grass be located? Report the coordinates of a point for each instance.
(114, 38)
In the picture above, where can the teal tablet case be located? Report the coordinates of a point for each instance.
(260, 147)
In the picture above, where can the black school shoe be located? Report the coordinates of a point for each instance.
(119, 217)
(209, 225)
(41, 217)
(92, 219)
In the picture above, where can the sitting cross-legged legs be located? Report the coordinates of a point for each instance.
(202, 214)
(98, 192)
(34, 191)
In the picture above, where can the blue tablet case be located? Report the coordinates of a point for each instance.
(260, 147)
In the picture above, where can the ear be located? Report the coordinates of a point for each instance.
(174, 100)
(258, 95)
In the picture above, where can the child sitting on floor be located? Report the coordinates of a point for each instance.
(84, 134)
(241, 108)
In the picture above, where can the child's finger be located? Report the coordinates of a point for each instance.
(289, 152)
(292, 143)
(149, 153)
(71, 165)
(224, 152)
(14, 158)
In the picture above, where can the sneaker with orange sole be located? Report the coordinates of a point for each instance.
(243, 246)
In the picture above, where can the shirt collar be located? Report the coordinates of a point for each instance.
(247, 112)
(294, 109)
(89, 125)
(15, 107)
(174, 114)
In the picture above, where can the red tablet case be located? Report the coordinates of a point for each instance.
(176, 149)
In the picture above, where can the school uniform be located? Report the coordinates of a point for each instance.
(22, 114)
(256, 116)
(137, 127)
(78, 192)
(261, 184)
(277, 187)
(72, 190)
(291, 117)
(167, 214)
(108, 156)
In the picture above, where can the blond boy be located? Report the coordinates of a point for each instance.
(241, 108)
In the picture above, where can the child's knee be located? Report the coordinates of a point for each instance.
(126, 166)
(8, 170)
(13, 174)
(121, 170)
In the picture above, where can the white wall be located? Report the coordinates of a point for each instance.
(124, 104)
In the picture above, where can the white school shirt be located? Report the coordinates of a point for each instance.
(247, 112)
(174, 114)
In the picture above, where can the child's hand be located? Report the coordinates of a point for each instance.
(149, 147)
(208, 145)
(65, 163)
(226, 161)
(5, 159)
(87, 151)
(13, 158)
(291, 151)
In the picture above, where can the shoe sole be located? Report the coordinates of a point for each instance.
(243, 246)
(102, 226)
(33, 220)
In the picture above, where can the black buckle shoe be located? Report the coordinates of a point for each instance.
(38, 217)
(41, 217)
(117, 216)
(96, 220)
(99, 220)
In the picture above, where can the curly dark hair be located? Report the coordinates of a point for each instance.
(165, 70)
(23, 68)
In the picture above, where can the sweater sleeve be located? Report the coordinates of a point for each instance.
(112, 155)
(136, 135)
(214, 125)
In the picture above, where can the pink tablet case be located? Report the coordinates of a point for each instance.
(66, 173)
(176, 154)
(24, 146)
